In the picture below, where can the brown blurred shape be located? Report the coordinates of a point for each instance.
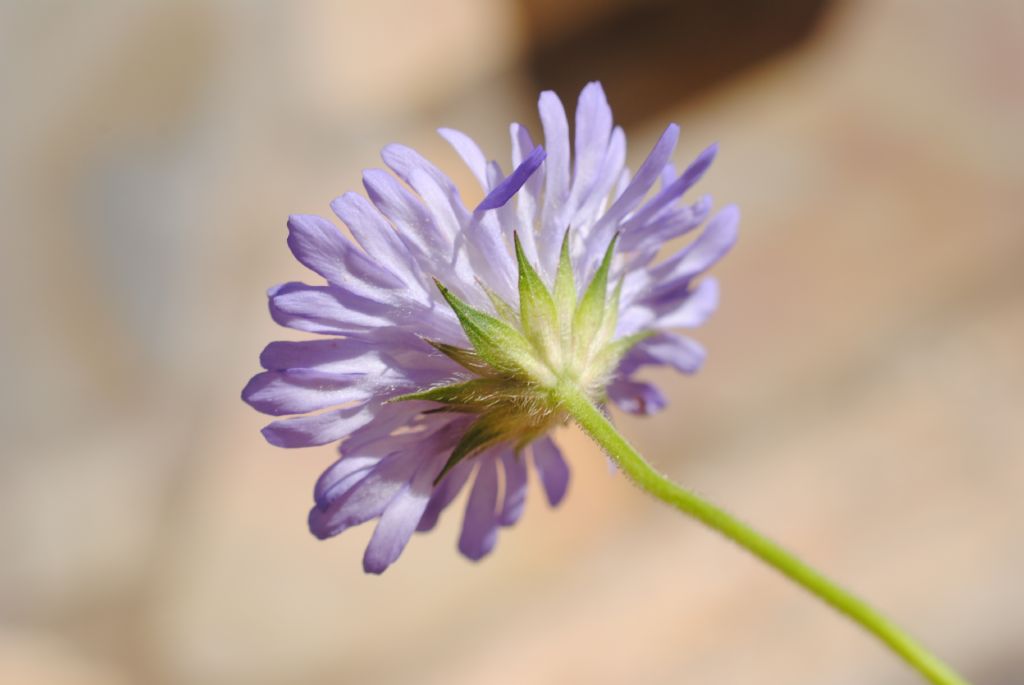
(652, 54)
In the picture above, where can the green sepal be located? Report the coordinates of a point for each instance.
(499, 345)
(590, 312)
(610, 318)
(467, 359)
(501, 307)
(480, 435)
(608, 356)
(471, 396)
(565, 296)
(537, 314)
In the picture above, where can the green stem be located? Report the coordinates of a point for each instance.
(594, 423)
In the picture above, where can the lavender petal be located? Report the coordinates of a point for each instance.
(553, 471)
(480, 526)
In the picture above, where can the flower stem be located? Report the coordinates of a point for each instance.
(594, 423)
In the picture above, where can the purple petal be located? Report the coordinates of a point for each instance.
(668, 174)
(553, 471)
(326, 310)
(279, 393)
(645, 177)
(318, 429)
(556, 178)
(332, 355)
(674, 190)
(636, 397)
(400, 518)
(504, 191)
(712, 244)
(406, 162)
(664, 349)
(556, 142)
(610, 172)
(377, 237)
(375, 436)
(367, 498)
(470, 153)
(515, 487)
(447, 219)
(318, 244)
(526, 201)
(445, 492)
(694, 309)
(480, 526)
(672, 222)
(593, 129)
(415, 226)
(687, 306)
(340, 476)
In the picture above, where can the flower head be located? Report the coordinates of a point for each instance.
(449, 332)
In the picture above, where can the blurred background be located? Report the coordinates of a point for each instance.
(862, 400)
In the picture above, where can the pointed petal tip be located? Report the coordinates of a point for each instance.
(505, 190)
(269, 435)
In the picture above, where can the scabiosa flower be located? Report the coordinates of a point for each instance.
(450, 331)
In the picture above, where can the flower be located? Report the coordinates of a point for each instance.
(448, 331)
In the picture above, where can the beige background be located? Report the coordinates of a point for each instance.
(862, 402)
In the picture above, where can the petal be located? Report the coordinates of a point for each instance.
(327, 310)
(400, 518)
(712, 244)
(318, 429)
(687, 307)
(674, 190)
(515, 487)
(406, 162)
(504, 191)
(340, 476)
(664, 349)
(449, 217)
(412, 220)
(332, 355)
(376, 435)
(636, 397)
(526, 200)
(556, 178)
(645, 177)
(318, 244)
(556, 142)
(445, 492)
(553, 471)
(480, 526)
(378, 238)
(368, 497)
(611, 171)
(283, 392)
(470, 153)
(670, 223)
(693, 310)
(593, 130)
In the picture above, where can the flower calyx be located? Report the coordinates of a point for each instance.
(520, 361)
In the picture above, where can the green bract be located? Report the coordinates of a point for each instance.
(522, 360)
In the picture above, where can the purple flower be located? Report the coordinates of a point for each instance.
(448, 329)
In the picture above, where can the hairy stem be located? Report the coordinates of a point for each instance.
(594, 423)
